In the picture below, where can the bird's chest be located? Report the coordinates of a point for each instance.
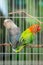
(28, 38)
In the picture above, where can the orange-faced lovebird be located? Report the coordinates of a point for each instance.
(20, 40)
(27, 37)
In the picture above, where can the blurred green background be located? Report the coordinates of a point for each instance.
(34, 8)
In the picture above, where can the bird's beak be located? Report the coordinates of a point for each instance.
(38, 29)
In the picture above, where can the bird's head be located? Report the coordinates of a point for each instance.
(8, 23)
(34, 28)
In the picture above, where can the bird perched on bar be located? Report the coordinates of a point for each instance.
(20, 40)
(13, 32)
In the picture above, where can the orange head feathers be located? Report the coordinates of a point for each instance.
(34, 28)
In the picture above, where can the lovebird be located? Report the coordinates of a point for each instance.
(27, 37)
(20, 40)
(13, 32)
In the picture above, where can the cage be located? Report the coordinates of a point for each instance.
(23, 13)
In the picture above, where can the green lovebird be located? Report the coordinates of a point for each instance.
(27, 36)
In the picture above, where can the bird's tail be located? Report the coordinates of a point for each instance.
(19, 47)
(17, 50)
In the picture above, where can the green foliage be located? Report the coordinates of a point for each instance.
(31, 21)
